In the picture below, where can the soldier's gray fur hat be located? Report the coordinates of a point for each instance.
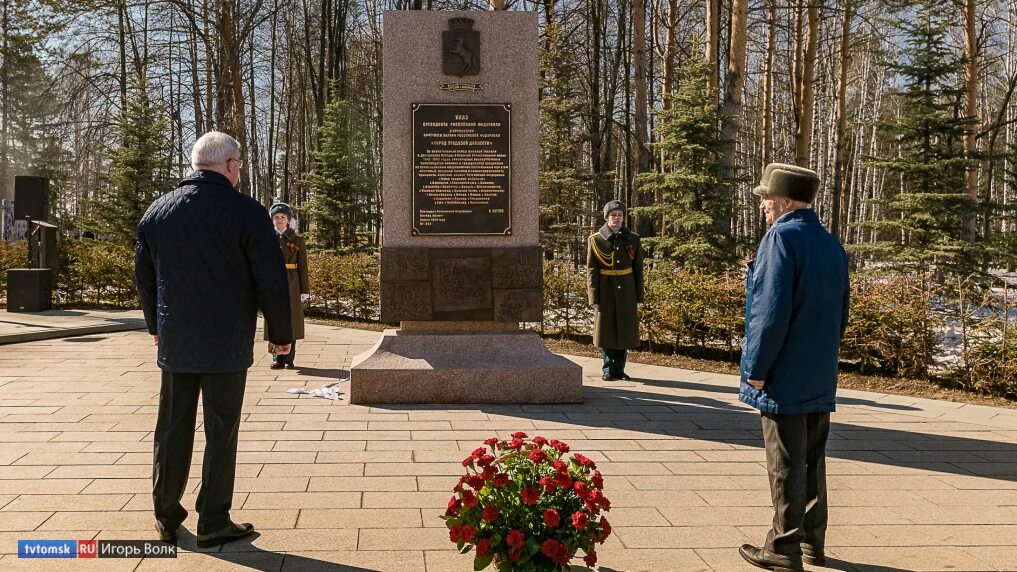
(789, 181)
(281, 208)
(614, 206)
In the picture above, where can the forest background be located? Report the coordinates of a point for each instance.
(904, 107)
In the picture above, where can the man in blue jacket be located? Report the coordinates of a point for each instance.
(796, 311)
(206, 260)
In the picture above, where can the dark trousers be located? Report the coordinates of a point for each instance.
(796, 465)
(222, 398)
(614, 361)
(288, 358)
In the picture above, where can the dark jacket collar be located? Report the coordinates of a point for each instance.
(208, 177)
(798, 215)
(289, 233)
(606, 232)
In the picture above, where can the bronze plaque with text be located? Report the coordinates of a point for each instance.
(462, 177)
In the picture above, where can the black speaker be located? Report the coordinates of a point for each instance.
(29, 289)
(31, 198)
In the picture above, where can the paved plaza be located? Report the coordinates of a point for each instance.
(914, 484)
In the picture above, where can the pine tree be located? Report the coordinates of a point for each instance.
(924, 222)
(689, 179)
(563, 180)
(137, 173)
(342, 183)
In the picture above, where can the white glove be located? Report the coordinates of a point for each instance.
(639, 305)
(305, 297)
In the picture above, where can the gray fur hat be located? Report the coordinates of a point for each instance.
(281, 208)
(789, 181)
(614, 206)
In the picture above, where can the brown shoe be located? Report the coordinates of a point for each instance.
(763, 558)
(233, 531)
(813, 555)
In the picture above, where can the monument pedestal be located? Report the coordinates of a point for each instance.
(463, 362)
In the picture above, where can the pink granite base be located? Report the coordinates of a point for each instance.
(425, 366)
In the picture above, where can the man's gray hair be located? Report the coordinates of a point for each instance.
(213, 148)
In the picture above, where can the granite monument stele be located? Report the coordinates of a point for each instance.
(461, 263)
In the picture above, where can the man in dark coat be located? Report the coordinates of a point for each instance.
(295, 257)
(206, 261)
(796, 311)
(614, 264)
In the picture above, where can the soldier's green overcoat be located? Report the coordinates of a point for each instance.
(295, 256)
(614, 265)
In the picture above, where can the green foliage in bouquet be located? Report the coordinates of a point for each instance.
(525, 506)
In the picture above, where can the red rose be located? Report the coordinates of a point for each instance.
(591, 558)
(561, 447)
(490, 440)
(584, 461)
(476, 482)
(490, 513)
(559, 465)
(488, 473)
(468, 461)
(551, 518)
(537, 456)
(459, 485)
(550, 485)
(468, 533)
(516, 443)
(562, 557)
(469, 499)
(598, 479)
(519, 435)
(515, 539)
(483, 547)
(580, 520)
(454, 504)
(600, 499)
(550, 548)
(485, 460)
(581, 489)
(478, 452)
(539, 441)
(454, 533)
(500, 480)
(530, 495)
(564, 480)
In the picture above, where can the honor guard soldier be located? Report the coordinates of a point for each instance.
(295, 256)
(614, 264)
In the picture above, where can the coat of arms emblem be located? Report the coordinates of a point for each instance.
(460, 48)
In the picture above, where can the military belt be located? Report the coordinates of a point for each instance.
(291, 267)
(616, 272)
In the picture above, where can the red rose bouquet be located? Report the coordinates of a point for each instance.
(526, 505)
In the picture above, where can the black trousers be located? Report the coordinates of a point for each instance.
(796, 466)
(222, 398)
(614, 361)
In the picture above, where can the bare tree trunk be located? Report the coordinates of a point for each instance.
(803, 135)
(771, 40)
(670, 52)
(713, 47)
(496, 5)
(730, 123)
(840, 130)
(641, 158)
(971, 112)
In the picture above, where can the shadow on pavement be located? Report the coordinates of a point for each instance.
(244, 553)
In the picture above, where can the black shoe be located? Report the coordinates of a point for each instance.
(169, 536)
(233, 531)
(624, 376)
(290, 366)
(813, 555)
(608, 377)
(277, 365)
(763, 558)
